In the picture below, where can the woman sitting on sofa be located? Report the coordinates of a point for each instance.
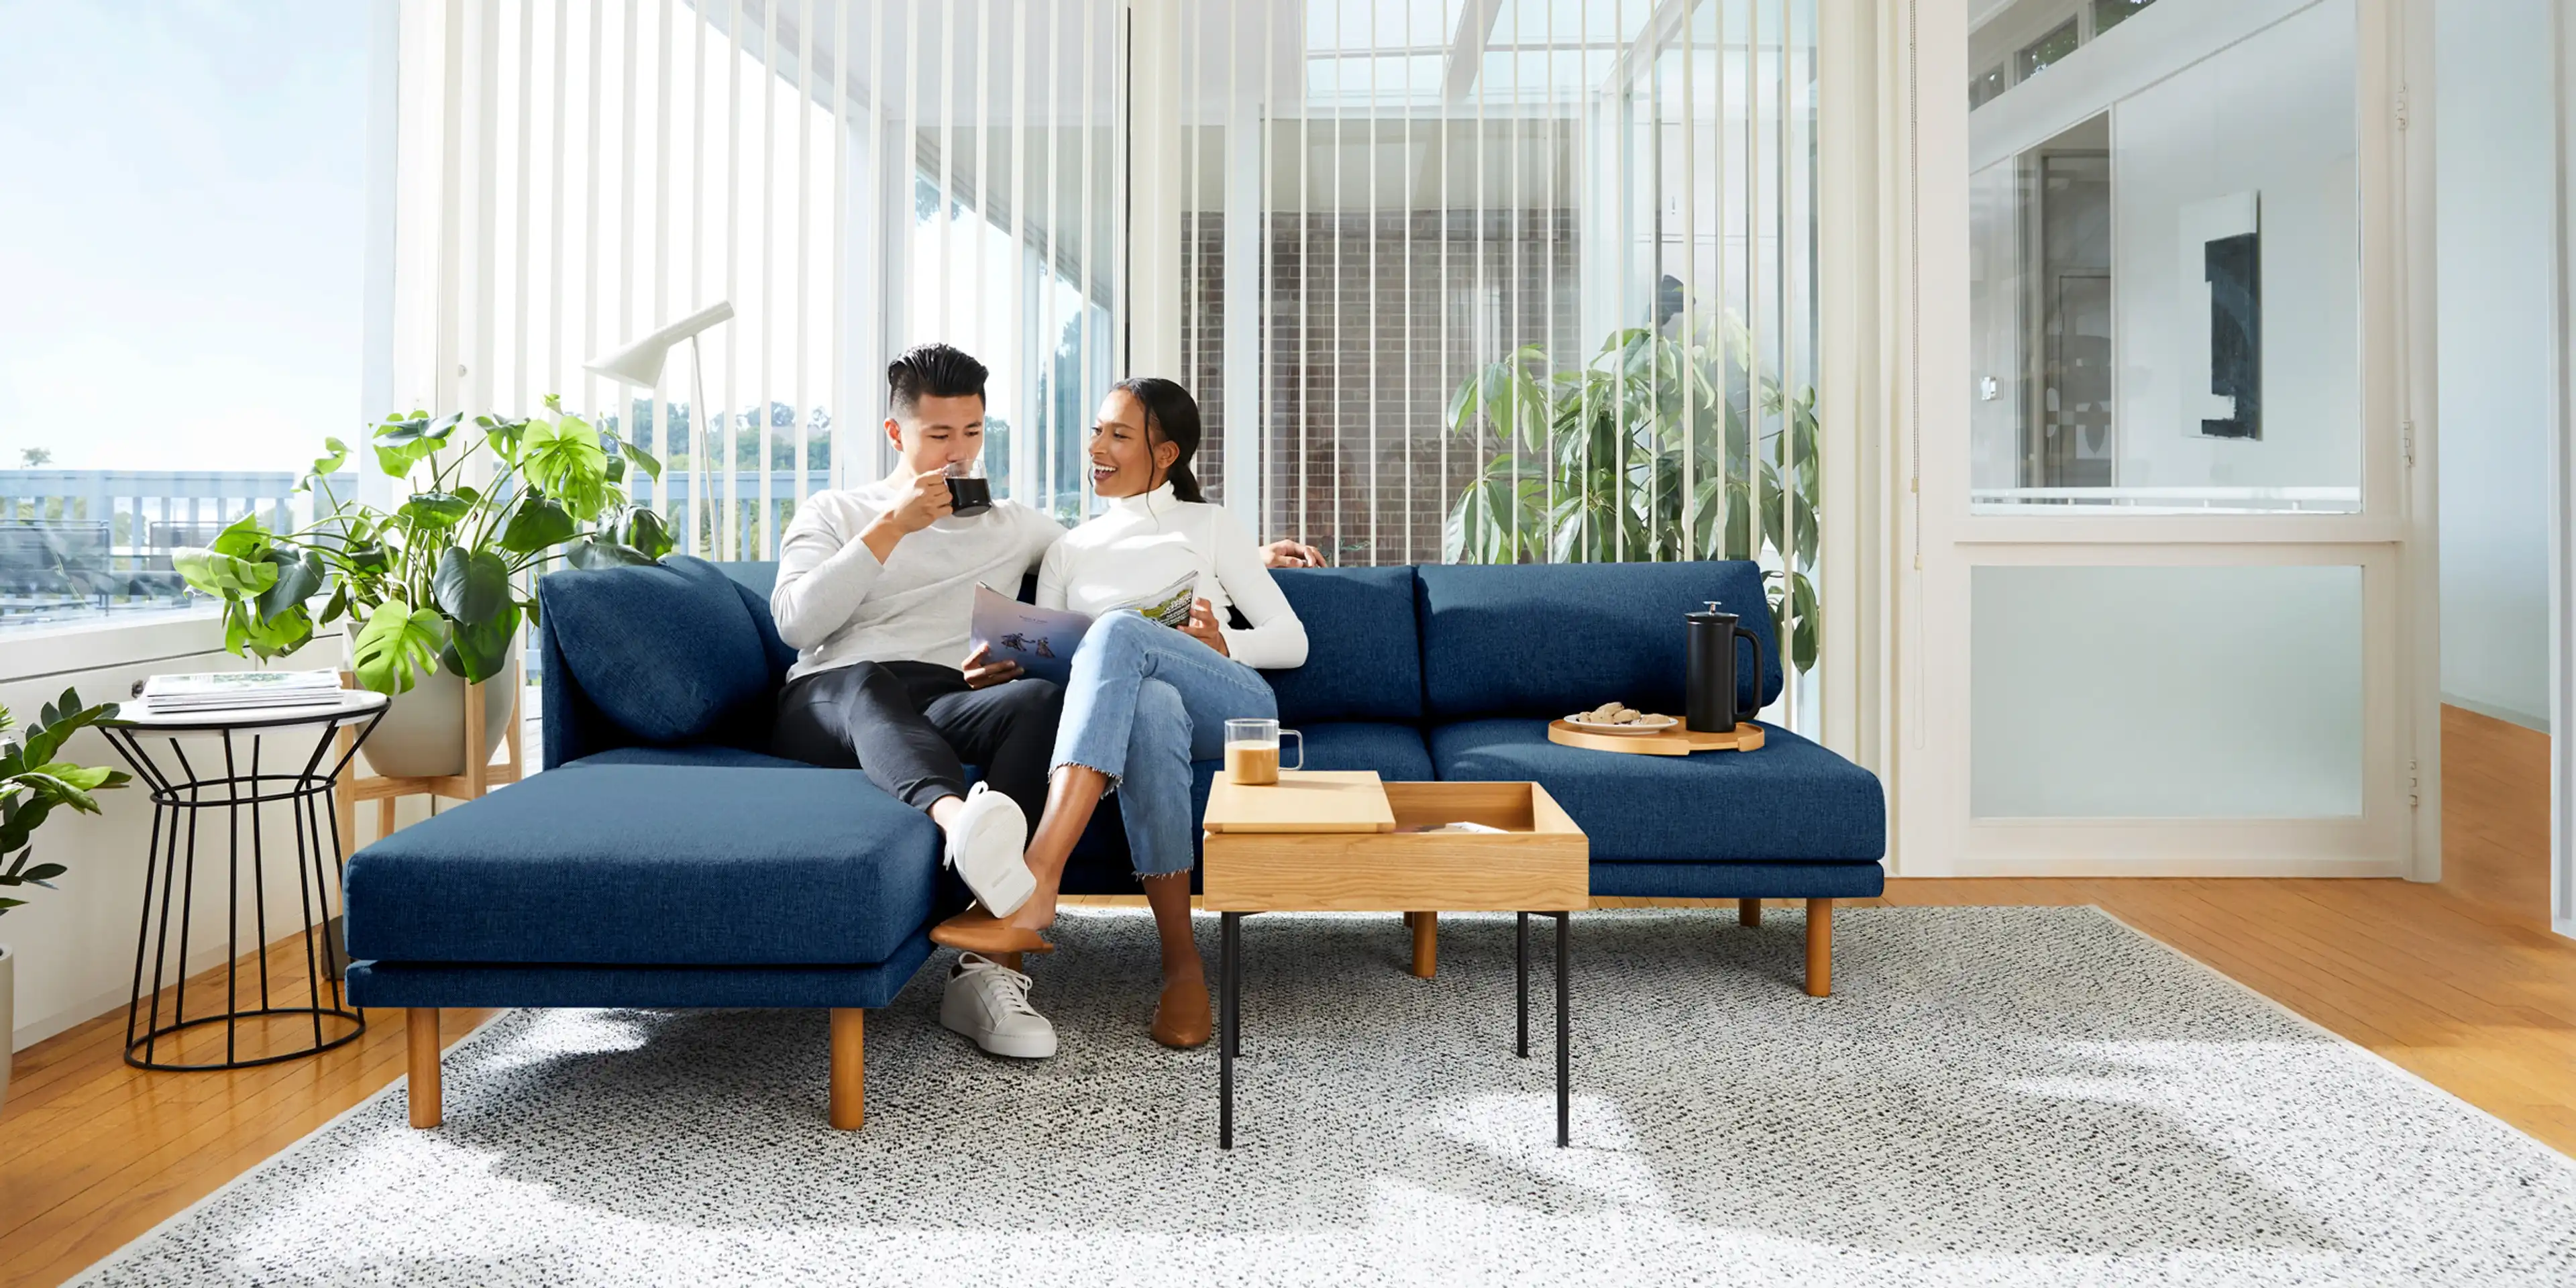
(1146, 698)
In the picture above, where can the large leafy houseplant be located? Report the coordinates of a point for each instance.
(435, 581)
(33, 783)
(1661, 446)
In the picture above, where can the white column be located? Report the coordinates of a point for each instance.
(1244, 343)
(1152, 293)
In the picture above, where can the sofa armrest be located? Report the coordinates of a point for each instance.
(560, 724)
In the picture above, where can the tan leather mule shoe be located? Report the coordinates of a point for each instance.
(978, 931)
(1182, 1018)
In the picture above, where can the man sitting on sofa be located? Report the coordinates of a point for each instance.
(876, 592)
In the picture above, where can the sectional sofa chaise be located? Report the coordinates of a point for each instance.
(673, 862)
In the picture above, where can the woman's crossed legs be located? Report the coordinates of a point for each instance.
(1143, 702)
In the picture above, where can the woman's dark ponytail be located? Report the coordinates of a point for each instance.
(1171, 412)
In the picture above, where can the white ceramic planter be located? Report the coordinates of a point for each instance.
(423, 732)
(8, 1017)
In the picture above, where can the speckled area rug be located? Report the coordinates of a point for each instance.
(1993, 1096)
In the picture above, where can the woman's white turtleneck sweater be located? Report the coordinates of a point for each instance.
(1145, 543)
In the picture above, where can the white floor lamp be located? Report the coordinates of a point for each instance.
(640, 364)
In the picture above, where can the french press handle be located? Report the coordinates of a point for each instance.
(1756, 709)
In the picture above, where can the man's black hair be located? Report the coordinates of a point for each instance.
(931, 371)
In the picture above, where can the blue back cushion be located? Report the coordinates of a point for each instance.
(669, 653)
(1363, 657)
(1547, 639)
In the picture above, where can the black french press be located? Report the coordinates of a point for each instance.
(1709, 697)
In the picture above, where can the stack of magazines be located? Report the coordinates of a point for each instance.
(239, 691)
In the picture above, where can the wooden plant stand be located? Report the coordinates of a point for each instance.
(480, 775)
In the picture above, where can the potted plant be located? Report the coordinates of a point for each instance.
(1665, 444)
(32, 783)
(433, 589)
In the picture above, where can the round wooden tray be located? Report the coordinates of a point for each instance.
(1679, 742)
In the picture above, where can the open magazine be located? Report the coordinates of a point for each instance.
(1042, 640)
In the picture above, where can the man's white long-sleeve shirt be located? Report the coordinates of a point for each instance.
(836, 604)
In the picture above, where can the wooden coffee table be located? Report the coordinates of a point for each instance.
(1327, 841)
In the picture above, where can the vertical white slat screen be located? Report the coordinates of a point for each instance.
(856, 176)
(1442, 182)
(1381, 199)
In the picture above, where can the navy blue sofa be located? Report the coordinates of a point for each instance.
(676, 863)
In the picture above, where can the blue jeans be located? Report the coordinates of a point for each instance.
(1144, 701)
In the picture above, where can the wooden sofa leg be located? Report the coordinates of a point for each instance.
(1748, 912)
(1820, 947)
(420, 1029)
(1426, 943)
(849, 1068)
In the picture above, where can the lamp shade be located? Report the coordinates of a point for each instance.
(640, 363)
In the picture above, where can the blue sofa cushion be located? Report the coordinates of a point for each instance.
(652, 865)
(1546, 639)
(1395, 751)
(1363, 656)
(668, 652)
(1791, 801)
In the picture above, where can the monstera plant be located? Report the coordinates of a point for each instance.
(437, 580)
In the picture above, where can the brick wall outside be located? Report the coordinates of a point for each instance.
(1361, 359)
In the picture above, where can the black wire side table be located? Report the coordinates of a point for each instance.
(183, 797)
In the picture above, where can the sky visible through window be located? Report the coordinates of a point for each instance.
(181, 231)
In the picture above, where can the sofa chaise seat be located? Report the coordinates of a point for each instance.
(674, 862)
(667, 865)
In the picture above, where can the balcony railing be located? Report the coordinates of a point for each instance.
(78, 543)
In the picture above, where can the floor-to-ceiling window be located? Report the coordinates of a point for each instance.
(183, 245)
(853, 176)
(1494, 280)
(1511, 280)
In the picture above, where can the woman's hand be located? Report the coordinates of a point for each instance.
(1291, 554)
(982, 672)
(1203, 626)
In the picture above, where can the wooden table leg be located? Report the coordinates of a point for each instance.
(1426, 943)
(420, 1029)
(849, 1068)
(1820, 947)
(1748, 912)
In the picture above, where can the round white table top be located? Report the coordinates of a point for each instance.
(352, 704)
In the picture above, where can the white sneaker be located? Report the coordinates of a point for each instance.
(986, 845)
(989, 1002)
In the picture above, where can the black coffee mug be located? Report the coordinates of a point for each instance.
(968, 497)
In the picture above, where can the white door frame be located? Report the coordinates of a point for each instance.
(1938, 541)
(2562, 511)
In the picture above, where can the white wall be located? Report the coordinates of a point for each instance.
(2273, 115)
(2495, 178)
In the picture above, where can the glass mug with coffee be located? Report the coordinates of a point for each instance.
(1252, 751)
(969, 492)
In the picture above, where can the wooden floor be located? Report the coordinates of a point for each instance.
(2461, 983)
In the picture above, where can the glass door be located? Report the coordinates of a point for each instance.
(2165, 565)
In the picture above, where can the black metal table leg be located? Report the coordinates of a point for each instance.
(1234, 1042)
(1229, 930)
(1564, 1043)
(1520, 961)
